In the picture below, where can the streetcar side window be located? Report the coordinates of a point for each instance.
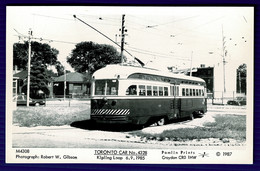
(142, 90)
(187, 92)
(155, 91)
(190, 92)
(165, 91)
(160, 91)
(177, 91)
(202, 91)
(149, 90)
(194, 93)
(183, 92)
(199, 92)
(131, 90)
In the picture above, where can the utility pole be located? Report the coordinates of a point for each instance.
(191, 64)
(29, 67)
(224, 61)
(138, 60)
(123, 37)
(65, 85)
(239, 78)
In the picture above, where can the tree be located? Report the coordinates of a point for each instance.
(241, 78)
(40, 53)
(88, 56)
(42, 56)
(39, 80)
(60, 68)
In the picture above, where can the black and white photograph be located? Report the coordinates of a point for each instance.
(126, 84)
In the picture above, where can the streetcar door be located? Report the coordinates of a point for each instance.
(174, 109)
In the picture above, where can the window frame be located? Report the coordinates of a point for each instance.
(157, 93)
(143, 90)
(151, 90)
(161, 91)
(130, 94)
(105, 88)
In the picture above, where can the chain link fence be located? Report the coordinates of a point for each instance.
(220, 97)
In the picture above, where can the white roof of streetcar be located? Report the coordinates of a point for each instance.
(124, 71)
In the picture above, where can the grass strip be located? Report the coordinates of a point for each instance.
(225, 126)
(49, 116)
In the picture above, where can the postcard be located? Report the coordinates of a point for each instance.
(128, 84)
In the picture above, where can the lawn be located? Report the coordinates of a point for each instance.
(50, 115)
(226, 126)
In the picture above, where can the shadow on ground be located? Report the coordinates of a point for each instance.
(91, 125)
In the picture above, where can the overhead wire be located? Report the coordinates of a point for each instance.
(166, 55)
(100, 17)
(158, 54)
(129, 21)
(152, 52)
(201, 25)
(153, 26)
(20, 35)
(129, 26)
(163, 33)
(60, 18)
(139, 61)
(48, 16)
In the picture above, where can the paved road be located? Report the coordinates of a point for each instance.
(84, 135)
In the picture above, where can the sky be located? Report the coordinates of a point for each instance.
(159, 36)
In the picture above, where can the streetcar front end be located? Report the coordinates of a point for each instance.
(106, 106)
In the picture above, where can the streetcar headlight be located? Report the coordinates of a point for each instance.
(94, 102)
(113, 103)
(104, 99)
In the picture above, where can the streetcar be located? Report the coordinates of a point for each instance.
(140, 96)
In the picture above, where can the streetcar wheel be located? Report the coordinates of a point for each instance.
(161, 122)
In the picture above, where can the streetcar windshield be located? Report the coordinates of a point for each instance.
(106, 87)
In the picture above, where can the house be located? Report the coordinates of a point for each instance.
(207, 74)
(77, 85)
(21, 81)
(21, 78)
(15, 86)
(223, 83)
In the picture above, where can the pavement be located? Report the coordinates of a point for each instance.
(67, 102)
(68, 136)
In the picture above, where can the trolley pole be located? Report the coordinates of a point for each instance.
(65, 85)
(29, 67)
(123, 37)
